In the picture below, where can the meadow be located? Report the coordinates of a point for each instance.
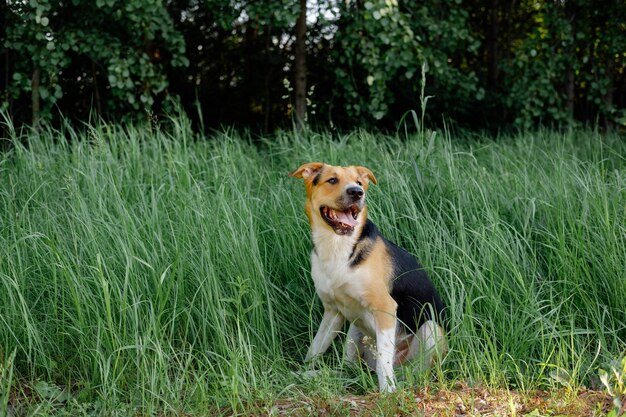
(148, 271)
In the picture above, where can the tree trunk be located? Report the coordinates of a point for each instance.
(300, 67)
(96, 91)
(4, 84)
(607, 98)
(569, 91)
(492, 45)
(570, 73)
(267, 105)
(35, 98)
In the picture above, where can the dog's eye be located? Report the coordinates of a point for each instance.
(359, 182)
(333, 180)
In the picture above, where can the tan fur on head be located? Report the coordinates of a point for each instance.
(367, 173)
(306, 171)
(326, 187)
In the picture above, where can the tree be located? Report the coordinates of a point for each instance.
(375, 46)
(381, 46)
(568, 64)
(114, 52)
(489, 64)
(300, 66)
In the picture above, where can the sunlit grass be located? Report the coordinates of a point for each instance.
(144, 271)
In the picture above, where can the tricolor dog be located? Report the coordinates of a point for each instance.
(396, 314)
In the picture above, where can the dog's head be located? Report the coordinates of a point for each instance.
(335, 195)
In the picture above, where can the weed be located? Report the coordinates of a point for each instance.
(614, 380)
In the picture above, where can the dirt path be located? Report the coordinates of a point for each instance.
(459, 402)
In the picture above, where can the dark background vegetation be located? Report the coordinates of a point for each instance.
(488, 64)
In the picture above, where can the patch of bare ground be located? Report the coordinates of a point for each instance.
(461, 401)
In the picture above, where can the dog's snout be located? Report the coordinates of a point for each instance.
(355, 192)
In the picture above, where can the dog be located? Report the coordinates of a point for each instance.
(396, 315)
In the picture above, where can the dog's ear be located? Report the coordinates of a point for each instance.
(366, 172)
(307, 170)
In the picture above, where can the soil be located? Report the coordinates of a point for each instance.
(461, 401)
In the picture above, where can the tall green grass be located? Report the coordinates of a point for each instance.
(145, 271)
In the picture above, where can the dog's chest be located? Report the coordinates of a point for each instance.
(337, 284)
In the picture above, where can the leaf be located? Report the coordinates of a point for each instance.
(604, 378)
(51, 392)
(46, 390)
(561, 376)
(480, 94)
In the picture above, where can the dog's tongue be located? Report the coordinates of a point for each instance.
(346, 218)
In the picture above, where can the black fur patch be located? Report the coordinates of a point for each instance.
(360, 255)
(362, 249)
(316, 180)
(417, 298)
(369, 231)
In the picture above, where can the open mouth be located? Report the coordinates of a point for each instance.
(343, 222)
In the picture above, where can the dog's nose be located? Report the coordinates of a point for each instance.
(355, 192)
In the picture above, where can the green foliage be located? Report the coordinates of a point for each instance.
(449, 48)
(30, 35)
(6, 380)
(382, 45)
(614, 380)
(490, 64)
(538, 69)
(574, 36)
(376, 45)
(274, 13)
(127, 41)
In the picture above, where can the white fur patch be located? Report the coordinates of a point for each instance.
(385, 347)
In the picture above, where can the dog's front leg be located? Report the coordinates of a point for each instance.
(329, 328)
(385, 347)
